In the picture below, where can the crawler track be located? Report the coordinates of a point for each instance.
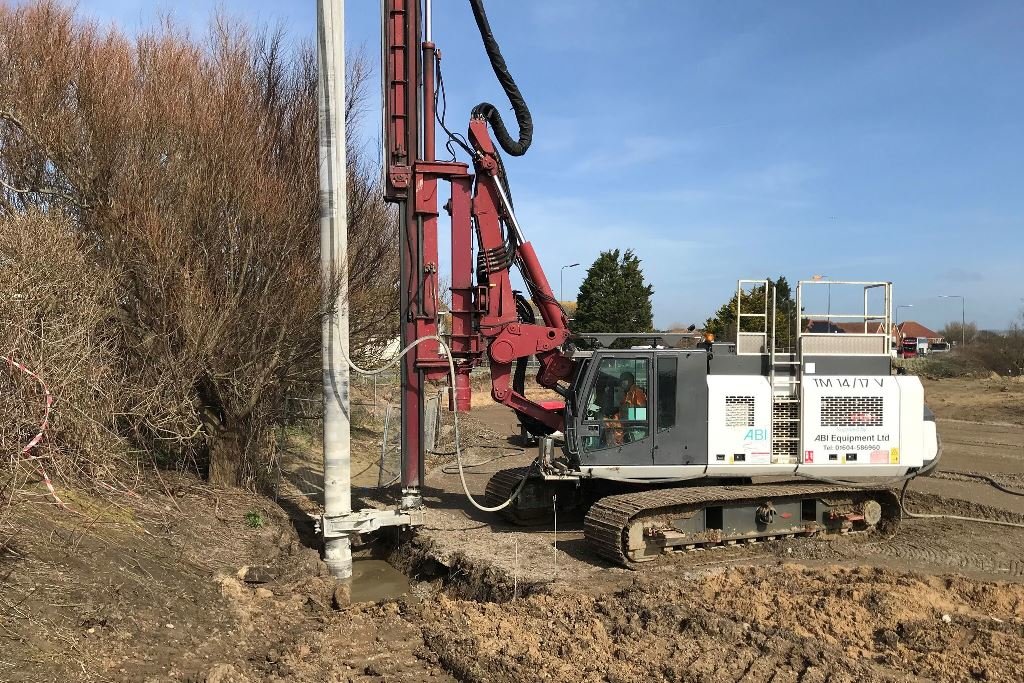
(537, 499)
(638, 527)
(500, 488)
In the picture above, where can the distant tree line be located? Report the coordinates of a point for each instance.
(999, 352)
(723, 324)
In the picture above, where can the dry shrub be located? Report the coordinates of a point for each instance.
(1002, 353)
(188, 171)
(55, 308)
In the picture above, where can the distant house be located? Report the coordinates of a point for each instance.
(833, 327)
(873, 327)
(823, 327)
(911, 328)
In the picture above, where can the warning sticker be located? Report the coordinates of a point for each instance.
(894, 456)
(879, 457)
(809, 456)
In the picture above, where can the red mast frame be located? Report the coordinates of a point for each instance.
(484, 315)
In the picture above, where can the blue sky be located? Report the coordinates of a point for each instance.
(860, 140)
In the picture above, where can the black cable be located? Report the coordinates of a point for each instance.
(440, 111)
(453, 468)
(982, 477)
(535, 290)
(515, 97)
(517, 449)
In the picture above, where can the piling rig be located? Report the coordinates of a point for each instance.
(671, 444)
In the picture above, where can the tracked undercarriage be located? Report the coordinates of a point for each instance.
(640, 526)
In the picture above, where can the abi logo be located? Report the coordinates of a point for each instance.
(756, 435)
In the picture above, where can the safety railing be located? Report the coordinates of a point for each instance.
(863, 333)
(751, 342)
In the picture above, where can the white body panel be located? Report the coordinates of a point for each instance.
(874, 427)
(739, 420)
(853, 421)
(684, 472)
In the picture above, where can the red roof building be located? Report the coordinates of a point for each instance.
(914, 329)
(825, 326)
(873, 327)
(909, 328)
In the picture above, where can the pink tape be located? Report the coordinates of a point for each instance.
(42, 427)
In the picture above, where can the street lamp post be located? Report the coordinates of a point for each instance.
(561, 285)
(898, 318)
(963, 316)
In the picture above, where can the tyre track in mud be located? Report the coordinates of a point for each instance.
(780, 623)
(943, 557)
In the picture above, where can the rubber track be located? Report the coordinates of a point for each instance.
(500, 487)
(608, 519)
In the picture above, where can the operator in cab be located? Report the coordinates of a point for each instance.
(633, 397)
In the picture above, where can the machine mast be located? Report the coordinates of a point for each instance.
(484, 311)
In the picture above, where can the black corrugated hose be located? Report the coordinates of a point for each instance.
(526, 315)
(488, 110)
(533, 425)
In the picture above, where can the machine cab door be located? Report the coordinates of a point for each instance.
(681, 407)
(614, 422)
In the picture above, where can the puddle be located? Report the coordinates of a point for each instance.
(374, 580)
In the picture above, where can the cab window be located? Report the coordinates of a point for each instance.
(618, 403)
(667, 369)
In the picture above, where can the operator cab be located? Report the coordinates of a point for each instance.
(639, 407)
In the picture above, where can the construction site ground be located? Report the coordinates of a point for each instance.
(179, 581)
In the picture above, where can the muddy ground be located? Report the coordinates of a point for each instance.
(178, 581)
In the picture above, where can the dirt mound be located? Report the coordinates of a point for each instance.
(779, 623)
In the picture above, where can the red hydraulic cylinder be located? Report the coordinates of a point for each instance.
(550, 310)
(463, 390)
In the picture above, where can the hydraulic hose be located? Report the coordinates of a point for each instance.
(532, 425)
(981, 477)
(905, 480)
(527, 316)
(455, 416)
(515, 97)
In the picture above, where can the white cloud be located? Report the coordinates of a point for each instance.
(627, 152)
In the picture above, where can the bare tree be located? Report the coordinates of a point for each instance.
(959, 333)
(189, 173)
(1002, 353)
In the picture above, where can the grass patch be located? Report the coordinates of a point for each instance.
(254, 519)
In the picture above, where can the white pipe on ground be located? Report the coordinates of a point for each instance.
(333, 247)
